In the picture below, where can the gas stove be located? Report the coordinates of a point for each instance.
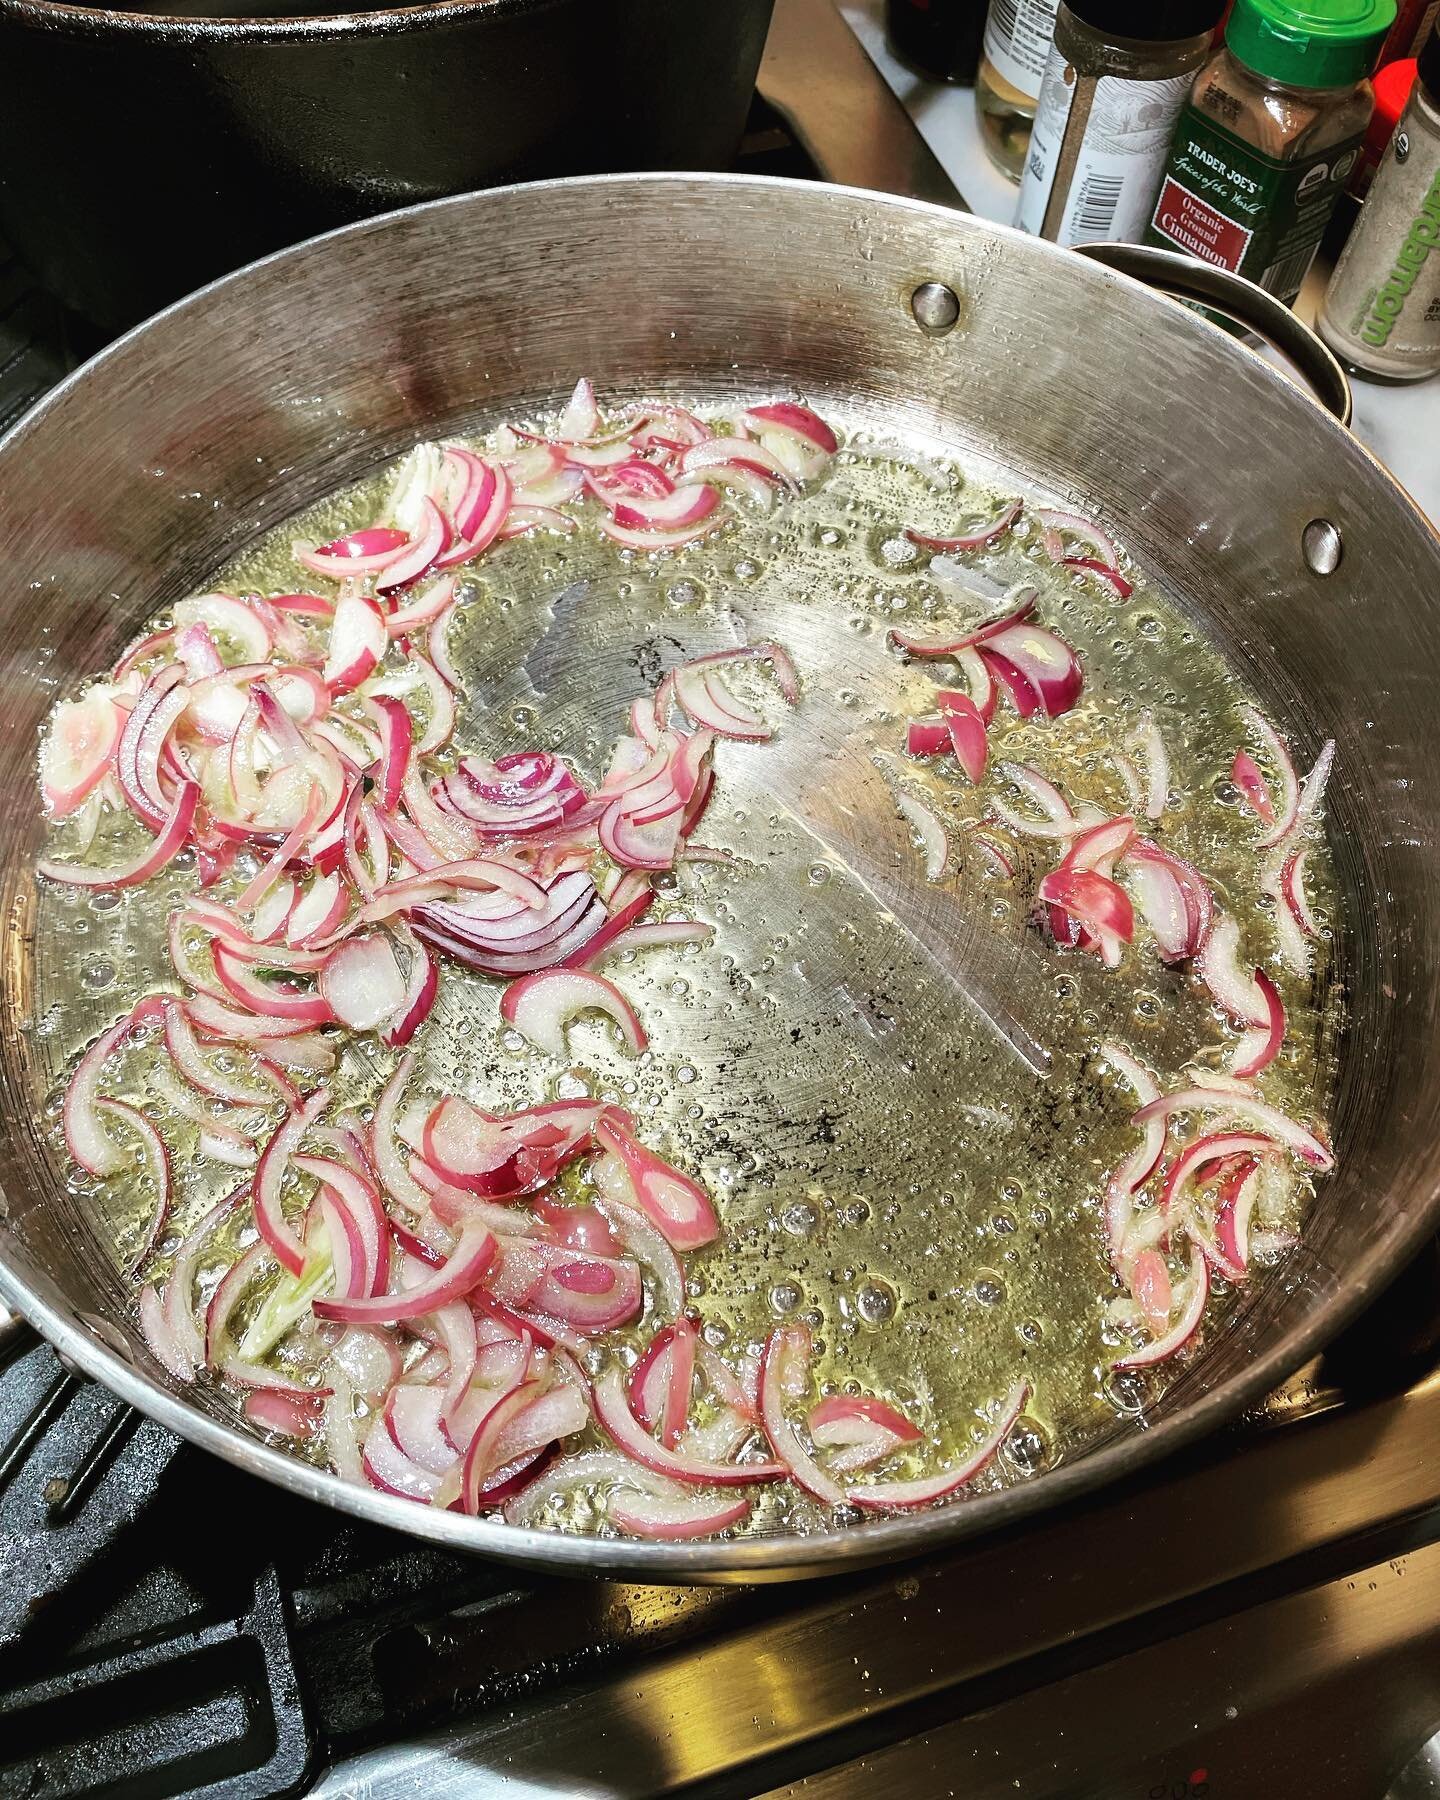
(1258, 1617)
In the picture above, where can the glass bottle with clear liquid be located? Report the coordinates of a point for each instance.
(1018, 34)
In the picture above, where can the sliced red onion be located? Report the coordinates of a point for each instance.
(928, 737)
(391, 1164)
(388, 1468)
(950, 644)
(1259, 1047)
(1289, 933)
(352, 1195)
(1312, 788)
(736, 453)
(802, 441)
(666, 1520)
(590, 1294)
(275, 1229)
(357, 553)
(171, 837)
(640, 1238)
(615, 1417)
(412, 1417)
(362, 984)
(966, 727)
(1059, 820)
(1093, 900)
(220, 1021)
(86, 1138)
(156, 1160)
(1112, 578)
(1174, 897)
(227, 1296)
(1045, 662)
(1197, 1292)
(1283, 1129)
(899, 1496)
(540, 1007)
(188, 1057)
(299, 1416)
(233, 619)
(358, 638)
(278, 1000)
(1141, 1163)
(460, 1273)
(1215, 1148)
(934, 839)
(860, 1430)
(976, 538)
(677, 1206)
(1245, 773)
(709, 702)
(587, 1468)
(503, 1158)
(1234, 1211)
(784, 1370)
(1287, 809)
(1292, 889)
(164, 1345)
(581, 417)
(1220, 967)
(79, 748)
(141, 651)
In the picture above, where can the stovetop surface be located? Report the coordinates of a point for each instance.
(1258, 1617)
(1261, 1615)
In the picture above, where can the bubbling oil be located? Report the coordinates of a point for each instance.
(886, 1167)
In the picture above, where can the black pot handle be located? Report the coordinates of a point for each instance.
(1184, 278)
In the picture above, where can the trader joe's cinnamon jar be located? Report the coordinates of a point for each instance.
(1271, 130)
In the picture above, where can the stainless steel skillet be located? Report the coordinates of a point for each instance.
(136, 478)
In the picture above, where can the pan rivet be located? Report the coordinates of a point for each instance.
(1323, 546)
(935, 306)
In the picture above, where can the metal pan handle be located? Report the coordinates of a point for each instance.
(1185, 279)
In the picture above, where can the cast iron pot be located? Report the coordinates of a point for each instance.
(1266, 521)
(143, 154)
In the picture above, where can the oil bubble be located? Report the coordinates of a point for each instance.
(800, 1218)
(1027, 1450)
(875, 1301)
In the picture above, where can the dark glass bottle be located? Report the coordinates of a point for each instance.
(938, 38)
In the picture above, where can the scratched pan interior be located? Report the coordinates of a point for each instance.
(190, 437)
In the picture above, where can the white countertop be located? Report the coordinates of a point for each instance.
(1400, 424)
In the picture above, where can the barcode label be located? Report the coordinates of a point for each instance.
(1003, 14)
(1284, 276)
(1093, 217)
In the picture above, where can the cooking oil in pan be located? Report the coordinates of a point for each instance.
(892, 1087)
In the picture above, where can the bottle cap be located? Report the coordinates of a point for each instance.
(1428, 63)
(1310, 43)
(1149, 21)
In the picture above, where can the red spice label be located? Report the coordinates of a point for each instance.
(1194, 225)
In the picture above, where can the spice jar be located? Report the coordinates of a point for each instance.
(1381, 314)
(1117, 77)
(1271, 131)
(1017, 41)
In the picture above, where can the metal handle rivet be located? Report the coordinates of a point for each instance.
(1323, 546)
(935, 306)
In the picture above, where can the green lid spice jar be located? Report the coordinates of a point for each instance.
(1382, 310)
(1117, 77)
(1270, 132)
